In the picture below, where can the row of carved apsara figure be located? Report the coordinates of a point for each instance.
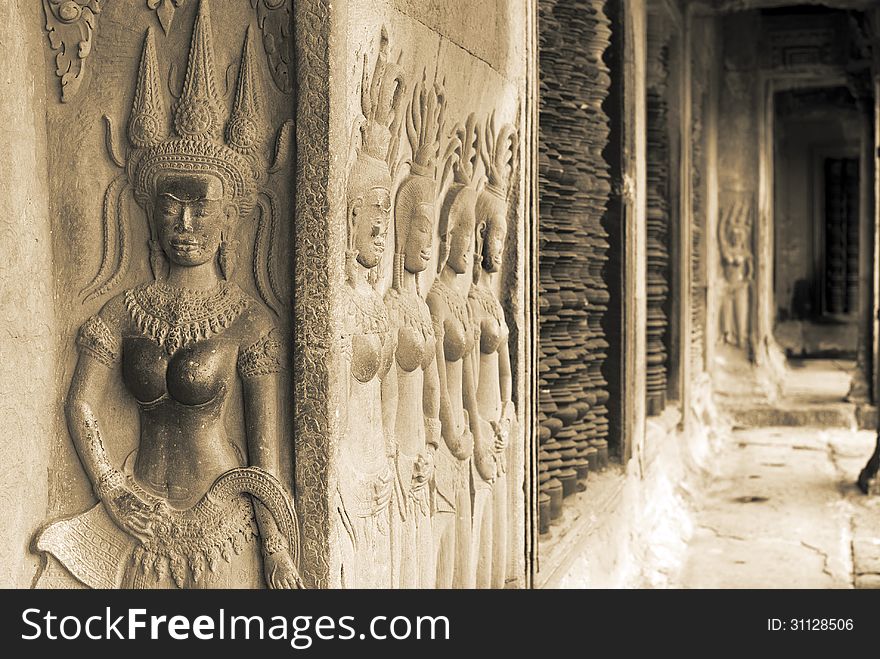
(422, 497)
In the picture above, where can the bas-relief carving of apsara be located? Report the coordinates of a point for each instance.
(366, 482)
(177, 511)
(434, 471)
(494, 379)
(735, 242)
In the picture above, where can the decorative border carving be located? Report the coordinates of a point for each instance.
(71, 25)
(313, 309)
(273, 17)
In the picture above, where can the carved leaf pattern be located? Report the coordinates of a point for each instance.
(71, 25)
(273, 17)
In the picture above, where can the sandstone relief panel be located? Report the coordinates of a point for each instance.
(199, 501)
(424, 500)
(173, 463)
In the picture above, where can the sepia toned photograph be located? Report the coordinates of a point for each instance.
(438, 294)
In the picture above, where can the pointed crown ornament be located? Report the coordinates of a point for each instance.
(200, 144)
(498, 153)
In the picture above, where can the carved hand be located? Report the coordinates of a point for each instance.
(485, 463)
(424, 470)
(125, 507)
(462, 446)
(280, 572)
(501, 430)
(383, 489)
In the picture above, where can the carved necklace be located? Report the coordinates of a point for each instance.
(415, 315)
(487, 302)
(368, 313)
(176, 317)
(454, 300)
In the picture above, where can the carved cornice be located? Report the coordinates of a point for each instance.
(71, 25)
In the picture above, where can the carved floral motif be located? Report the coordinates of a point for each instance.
(165, 11)
(72, 25)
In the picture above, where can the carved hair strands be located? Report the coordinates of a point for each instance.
(498, 150)
(382, 105)
(424, 123)
(465, 167)
(113, 213)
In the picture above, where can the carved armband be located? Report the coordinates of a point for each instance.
(97, 340)
(262, 357)
(109, 481)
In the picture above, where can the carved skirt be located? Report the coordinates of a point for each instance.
(194, 548)
(363, 527)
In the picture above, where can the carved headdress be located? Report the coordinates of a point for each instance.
(424, 123)
(460, 199)
(234, 152)
(498, 153)
(378, 134)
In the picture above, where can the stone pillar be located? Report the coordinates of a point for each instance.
(868, 478)
(860, 390)
(27, 316)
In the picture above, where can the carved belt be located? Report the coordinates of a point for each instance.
(95, 550)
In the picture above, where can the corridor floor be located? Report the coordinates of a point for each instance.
(783, 512)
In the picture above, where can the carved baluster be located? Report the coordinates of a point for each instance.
(658, 217)
(698, 209)
(575, 185)
(834, 261)
(852, 236)
(596, 44)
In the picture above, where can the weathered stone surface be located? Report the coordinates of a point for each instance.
(28, 369)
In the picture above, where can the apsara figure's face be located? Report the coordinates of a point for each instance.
(493, 244)
(190, 214)
(461, 237)
(371, 226)
(420, 241)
